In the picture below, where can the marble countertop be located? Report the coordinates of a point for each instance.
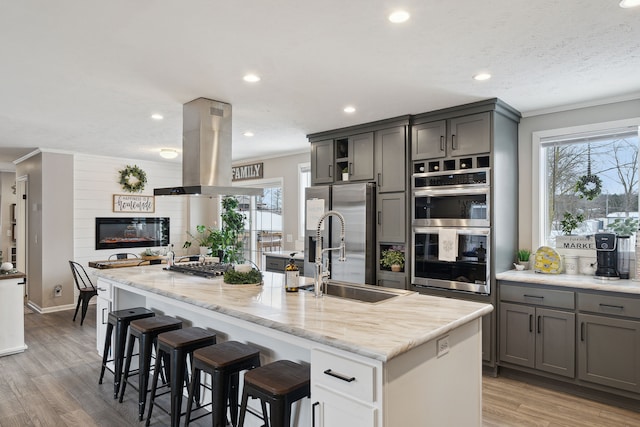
(380, 331)
(12, 275)
(571, 281)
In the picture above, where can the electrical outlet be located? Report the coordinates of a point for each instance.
(442, 346)
(57, 291)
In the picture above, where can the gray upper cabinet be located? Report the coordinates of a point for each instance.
(355, 154)
(390, 155)
(391, 218)
(459, 136)
(322, 159)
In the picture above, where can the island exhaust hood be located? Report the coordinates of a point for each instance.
(206, 152)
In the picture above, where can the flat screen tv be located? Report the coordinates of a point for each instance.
(117, 233)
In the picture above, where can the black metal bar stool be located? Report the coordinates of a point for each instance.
(178, 345)
(146, 331)
(119, 319)
(280, 383)
(223, 362)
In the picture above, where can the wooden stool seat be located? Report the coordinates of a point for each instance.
(223, 362)
(280, 384)
(120, 320)
(146, 331)
(177, 345)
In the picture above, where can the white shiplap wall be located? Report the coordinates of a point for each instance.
(95, 183)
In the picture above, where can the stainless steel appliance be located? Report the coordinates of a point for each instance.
(451, 236)
(202, 269)
(356, 202)
(454, 198)
(606, 256)
(466, 268)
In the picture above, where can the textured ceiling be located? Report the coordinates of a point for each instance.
(85, 76)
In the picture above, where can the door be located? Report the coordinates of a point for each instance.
(555, 341)
(609, 351)
(517, 337)
(428, 140)
(322, 162)
(470, 134)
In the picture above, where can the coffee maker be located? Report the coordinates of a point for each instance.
(607, 256)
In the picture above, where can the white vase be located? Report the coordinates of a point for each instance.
(345, 176)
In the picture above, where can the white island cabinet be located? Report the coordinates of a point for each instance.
(412, 360)
(12, 313)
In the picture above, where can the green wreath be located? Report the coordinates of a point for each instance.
(589, 187)
(139, 179)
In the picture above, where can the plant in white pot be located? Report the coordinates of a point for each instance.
(393, 259)
(208, 239)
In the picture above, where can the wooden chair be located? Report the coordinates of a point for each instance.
(85, 287)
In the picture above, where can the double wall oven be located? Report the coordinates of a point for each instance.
(451, 226)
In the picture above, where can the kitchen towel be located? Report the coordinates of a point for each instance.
(447, 244)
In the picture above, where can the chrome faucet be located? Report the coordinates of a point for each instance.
(322, 274)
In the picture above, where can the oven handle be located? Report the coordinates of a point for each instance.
(471, 189)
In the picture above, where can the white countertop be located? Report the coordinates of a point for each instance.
(571, 281)
(381, 331)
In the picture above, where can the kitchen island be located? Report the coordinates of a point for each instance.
(416, 359)
(12, 312)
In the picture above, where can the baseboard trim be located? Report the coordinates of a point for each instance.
(35, 307)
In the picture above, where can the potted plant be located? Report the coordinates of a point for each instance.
(522, 257)
(570, 222)
(232, 230)
(208, 239)
(393, 259)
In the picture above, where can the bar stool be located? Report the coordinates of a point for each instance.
(177, 345)
(280, 383)
(223, 362)
(146, 331)
(119, 319)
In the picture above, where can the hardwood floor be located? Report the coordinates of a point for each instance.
(55, 383)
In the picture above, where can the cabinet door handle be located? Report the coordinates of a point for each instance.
(581, 331)
(102, 289)
(614, 307)
(379, 217)
(454, 143)
(24, 282)
(313, 414)
(379, 180)
(103, 321)
(531, 323)
(350, 169)
(441, 142)
(330, 171)
(339, 376)
(539, 327)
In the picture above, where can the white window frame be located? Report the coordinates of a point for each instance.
(538, 202)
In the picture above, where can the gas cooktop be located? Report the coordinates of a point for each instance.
(207, 269)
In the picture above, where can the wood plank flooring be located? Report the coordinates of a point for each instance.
(55, 383)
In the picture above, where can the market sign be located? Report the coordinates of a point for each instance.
(252, 171)
(575, 244)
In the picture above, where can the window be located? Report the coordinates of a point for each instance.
(589, 180)
(304, 181)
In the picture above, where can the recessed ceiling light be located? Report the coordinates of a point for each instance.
(251, 78)
(157, 116)
(349, 109)
(399, 16)
(629, 3)
(248, 133)
(482, 76)
(168, 153)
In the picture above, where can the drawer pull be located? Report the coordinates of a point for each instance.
(339, 376)
(102, 289)
(313, 414)
(532, 296)
(610, 307)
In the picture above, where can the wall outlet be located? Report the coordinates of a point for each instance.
(57, 291)
(442, 346)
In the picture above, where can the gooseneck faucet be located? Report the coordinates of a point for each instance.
(322, 274)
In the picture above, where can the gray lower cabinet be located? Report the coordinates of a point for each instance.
(322, 158)
(390, 279)
(391, 218)
(276, 264)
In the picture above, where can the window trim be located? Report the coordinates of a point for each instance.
(538, 203)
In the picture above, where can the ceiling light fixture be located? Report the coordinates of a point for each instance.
(399, 16)
(251, 78)
(248, 133)
(482, 76)
(349, 109)
(626, 4)
(168, 153)
(157, 116)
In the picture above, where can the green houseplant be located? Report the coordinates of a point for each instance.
(206, 237)
(393, 259)
(232, 230)
(523, 255)
(570, 222)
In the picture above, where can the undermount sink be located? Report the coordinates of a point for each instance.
(363, 293)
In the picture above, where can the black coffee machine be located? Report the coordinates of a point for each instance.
(607, 256)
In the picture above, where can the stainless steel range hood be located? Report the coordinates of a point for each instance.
(206, 152)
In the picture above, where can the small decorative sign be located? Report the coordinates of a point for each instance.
(130, 203)
(252, 171)
(575, 244)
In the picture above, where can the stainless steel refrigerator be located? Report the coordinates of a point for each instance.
(356, 202)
